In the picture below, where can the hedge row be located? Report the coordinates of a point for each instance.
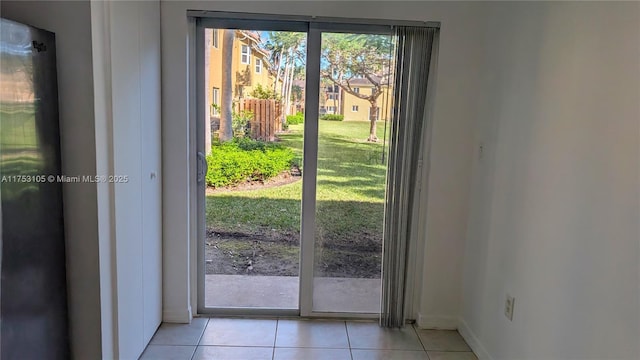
(295, 119)
(334, 117)
(242, 160)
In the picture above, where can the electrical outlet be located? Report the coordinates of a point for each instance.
(508, 307)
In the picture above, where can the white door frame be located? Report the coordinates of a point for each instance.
(314, 27)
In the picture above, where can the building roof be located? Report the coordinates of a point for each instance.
(366, 82)
(256, 44)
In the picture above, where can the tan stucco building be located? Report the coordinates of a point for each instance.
(338, 101)
(250, 65)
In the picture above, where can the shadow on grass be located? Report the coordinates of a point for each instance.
(337, 222)
(257, 232)
(260, 236)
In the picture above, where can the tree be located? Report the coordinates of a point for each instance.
(297, 96)
(287, 54)
(208, 38)
(260, 92)
(226, 108)
(346, 57)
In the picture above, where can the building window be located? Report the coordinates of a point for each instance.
(354, 108)
(332, 96)
(356, 90)
(216, 101)
(215, 40)
(246, 55)
(258, 66)
(331, 109)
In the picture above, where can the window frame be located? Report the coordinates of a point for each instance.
(215, 93)
(242, 54)
(314, 28)
(355, 108)
(258, 66)
(215, 41)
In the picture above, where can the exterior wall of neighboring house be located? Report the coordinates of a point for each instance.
(333, 100)
(362, 106)
(245, 75)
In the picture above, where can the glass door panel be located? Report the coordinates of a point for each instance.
(254, 101)
(355, 78)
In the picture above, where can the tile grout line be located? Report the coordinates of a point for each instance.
(200, 338)
(275, 338)
(419, 338)
(346, 329)
(424, 348)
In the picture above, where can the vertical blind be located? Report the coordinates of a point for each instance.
(410, 119)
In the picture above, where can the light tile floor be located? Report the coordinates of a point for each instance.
(258, 339)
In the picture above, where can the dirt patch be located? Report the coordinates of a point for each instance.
(258, 253)
(268, 252)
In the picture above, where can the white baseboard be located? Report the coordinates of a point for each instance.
(473, 341)
(437, 322)
(178, 316)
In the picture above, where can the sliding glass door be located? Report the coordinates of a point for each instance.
(292, 138)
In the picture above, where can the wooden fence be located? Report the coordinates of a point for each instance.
(266, 117)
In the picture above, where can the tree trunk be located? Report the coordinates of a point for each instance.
(290, 86)
(283, 92)
(275, 84)
(373, 119)
(208, 38)
(226, 108)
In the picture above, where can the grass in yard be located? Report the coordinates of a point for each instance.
(350, 176)
(350, 198)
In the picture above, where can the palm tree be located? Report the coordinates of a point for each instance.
(226, 128)
(287, 50)
(208, 38)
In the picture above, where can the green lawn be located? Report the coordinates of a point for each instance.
(350, 187)
(350, 196)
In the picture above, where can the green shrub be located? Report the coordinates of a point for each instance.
(333, 117)
(244, 159)
(260, 92)
(240, 120)
(295, 119)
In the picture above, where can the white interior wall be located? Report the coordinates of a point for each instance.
(71, 22)
(555, 200)
(113, 231)
(104, 165)
(456, 101)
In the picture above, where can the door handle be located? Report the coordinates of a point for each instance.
(202, 167)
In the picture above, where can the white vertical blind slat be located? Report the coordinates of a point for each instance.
(414, 51)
